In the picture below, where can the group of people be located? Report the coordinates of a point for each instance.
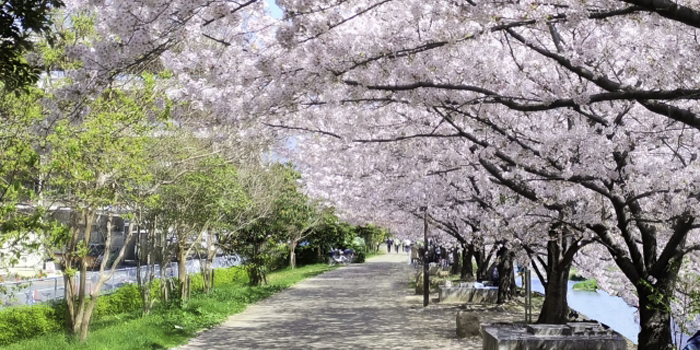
(438, 254)
(398, 244)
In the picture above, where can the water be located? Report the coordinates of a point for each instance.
(602, 307)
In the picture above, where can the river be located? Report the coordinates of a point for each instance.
(600, 306)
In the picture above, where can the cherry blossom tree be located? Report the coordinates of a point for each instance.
(573, 110)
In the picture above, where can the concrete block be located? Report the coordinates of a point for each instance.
(550, 337)
(549, 329)
(459, 295)
(468, 324)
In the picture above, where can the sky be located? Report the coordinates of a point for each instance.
(276, 11)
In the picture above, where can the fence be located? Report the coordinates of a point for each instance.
(30, 292)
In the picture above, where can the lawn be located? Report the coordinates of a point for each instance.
(166, 328)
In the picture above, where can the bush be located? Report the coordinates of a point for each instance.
(125, 299)
(221, 276)
(360, 257)
(587, 285)
(358, 244)
(23, 322)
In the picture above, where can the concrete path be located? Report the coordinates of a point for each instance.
(362, 306)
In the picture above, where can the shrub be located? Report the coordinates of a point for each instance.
(221, 276)
(360, 257)
(358, 244)
(229, 275)
(278, 257)
(125, 299)
(23, 322)
(587, 285)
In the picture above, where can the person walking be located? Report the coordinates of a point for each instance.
(388, 245)
(413, 256)
(396, 245)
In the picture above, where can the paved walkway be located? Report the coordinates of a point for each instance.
(363, 306)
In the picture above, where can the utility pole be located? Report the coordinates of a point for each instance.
(426, 266)
(527, 283)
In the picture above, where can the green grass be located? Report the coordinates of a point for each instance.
(372, 254)
(587, 285)
(160, 329)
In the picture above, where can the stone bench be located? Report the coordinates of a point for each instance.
(572, 336)
(468, 294)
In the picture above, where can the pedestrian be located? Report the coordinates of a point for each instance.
(414, 257)
(445, 257)
(693, 342)
(388, 245)
(29, 298)
(396, 245)
(407, 245)
(495, 277)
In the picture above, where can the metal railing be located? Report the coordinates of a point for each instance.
(42, 290)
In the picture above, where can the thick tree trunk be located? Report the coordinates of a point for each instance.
(482, 264)
(656, 329)
(467, 273)
(655, 317)
(456, 265)
(555, 308)
(506, 277)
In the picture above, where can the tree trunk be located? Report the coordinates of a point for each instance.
(482, 264)
(164, 290)
(555, 308)
(85, 324)
(560, 252)
(292, 254)
(210, 274)
(144, 250)
(655, 315)
(256, 267)
(506, 277)
(467, 273)
(455, 266)
(76, 308)
(182, 271)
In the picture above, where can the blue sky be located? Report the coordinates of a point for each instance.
(276, 11)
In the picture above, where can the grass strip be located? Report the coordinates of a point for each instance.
(166, 328)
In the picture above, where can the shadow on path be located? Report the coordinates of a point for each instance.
(363, 306)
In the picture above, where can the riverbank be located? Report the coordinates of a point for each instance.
(538, 300)
(169, 327)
